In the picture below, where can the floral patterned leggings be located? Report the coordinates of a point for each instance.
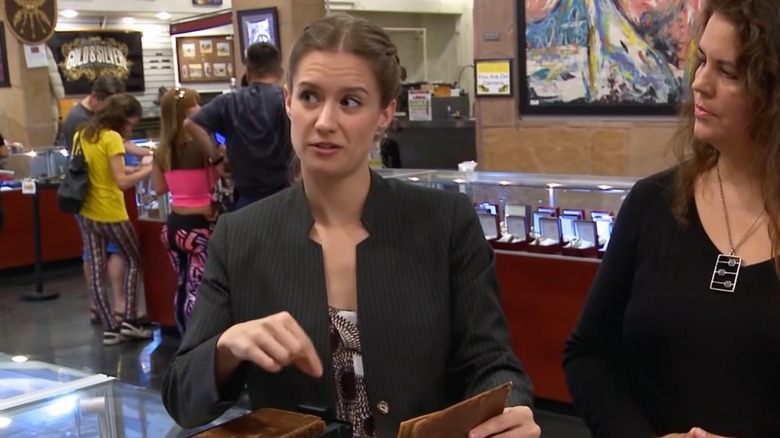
(187, 238)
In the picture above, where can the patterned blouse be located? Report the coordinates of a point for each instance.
(351, 397)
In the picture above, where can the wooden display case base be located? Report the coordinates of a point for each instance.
(591, 252)
(542, 298)
(545, 249)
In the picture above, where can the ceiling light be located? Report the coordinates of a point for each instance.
(69, 13)
(163, 16)
(128, 20)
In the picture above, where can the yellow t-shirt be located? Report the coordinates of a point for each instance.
(105, 202)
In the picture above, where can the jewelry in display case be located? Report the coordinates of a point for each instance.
(516, 227)
(488, 218)
(513, 206)
(567, 219)
(584, 244)
(549, 240)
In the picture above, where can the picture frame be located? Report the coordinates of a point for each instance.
(205, 59)
(5, 75)
(257, 25)
(642, 73)
(493, 77)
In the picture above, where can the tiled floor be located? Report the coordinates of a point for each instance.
(59, 332)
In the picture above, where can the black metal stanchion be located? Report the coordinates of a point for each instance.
(38, 294)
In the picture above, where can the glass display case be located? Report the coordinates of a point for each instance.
(107, 410)
(540, 213)
(23, 380)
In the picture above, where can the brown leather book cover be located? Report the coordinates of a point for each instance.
(458, 420)
(269, 423)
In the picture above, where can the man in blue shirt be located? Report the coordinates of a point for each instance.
(254, 121)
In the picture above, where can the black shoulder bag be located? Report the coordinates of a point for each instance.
(74, 186)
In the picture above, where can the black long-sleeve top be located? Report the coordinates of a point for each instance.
(655, 351)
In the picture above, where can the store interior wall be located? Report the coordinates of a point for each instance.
(449, 45)
(507, 141)
(25, 115)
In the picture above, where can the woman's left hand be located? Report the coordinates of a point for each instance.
(515, 422)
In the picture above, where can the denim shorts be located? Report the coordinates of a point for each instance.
(110, 247)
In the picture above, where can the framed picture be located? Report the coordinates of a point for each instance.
(5, 76)
(493, 77)
(205, 59)
(83, 56)
(604, 57)
(257, 26)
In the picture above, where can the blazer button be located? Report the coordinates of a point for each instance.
(383, 407)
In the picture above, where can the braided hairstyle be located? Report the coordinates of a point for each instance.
(358, 36)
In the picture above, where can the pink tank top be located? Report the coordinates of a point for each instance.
(191, 188)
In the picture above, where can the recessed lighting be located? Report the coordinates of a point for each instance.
(128, 20)
(5, 422)
(19, 359)
(163, 16)
(69, 13)
(605, 187)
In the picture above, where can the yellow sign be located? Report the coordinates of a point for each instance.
(494, 77)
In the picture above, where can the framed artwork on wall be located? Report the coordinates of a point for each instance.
(5, 76)
(257, 26)
(205, 59)
(493, 77)
(604, 57)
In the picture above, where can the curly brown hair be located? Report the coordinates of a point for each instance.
(113, 115)
(757, 23)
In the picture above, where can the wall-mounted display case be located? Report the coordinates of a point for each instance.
(540, 213)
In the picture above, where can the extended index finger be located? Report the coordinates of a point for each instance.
(308, 361)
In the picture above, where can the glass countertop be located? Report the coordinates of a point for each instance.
(23, 380)
(106, 410)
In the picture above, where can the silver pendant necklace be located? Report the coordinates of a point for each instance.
(726, 272)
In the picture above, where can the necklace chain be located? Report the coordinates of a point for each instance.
(733, 247)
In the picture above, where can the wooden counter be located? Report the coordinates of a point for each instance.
(542, 298)
(159, 277)
(60, 235)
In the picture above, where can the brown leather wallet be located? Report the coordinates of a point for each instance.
(458, 420)
(269, 423)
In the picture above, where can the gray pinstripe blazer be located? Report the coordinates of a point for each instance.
(431, 324)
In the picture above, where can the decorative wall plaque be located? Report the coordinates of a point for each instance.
(31, 21)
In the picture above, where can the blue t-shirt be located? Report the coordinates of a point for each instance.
(253, 120)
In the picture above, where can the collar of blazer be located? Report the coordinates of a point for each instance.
(373, 211)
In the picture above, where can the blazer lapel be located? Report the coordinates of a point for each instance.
(308, 297)
(377, 262)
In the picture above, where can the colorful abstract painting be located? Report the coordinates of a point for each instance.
(605, 57)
